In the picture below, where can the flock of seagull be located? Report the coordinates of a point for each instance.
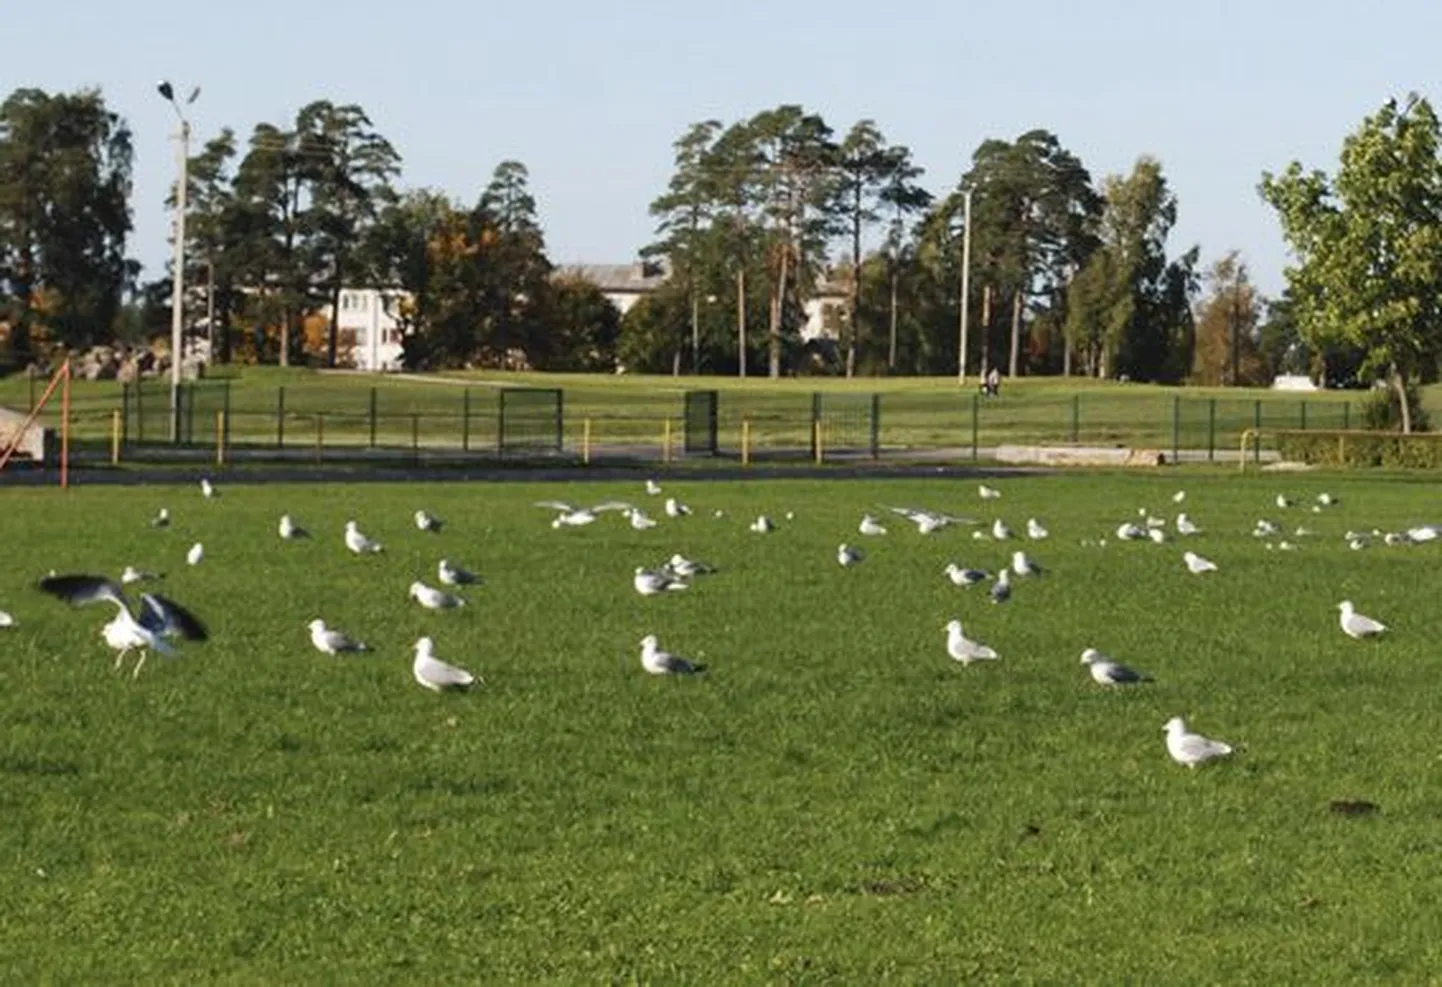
(155, 622)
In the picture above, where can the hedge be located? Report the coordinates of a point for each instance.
(1420, 450)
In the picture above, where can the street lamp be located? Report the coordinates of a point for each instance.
(965, 287)
(177, 303)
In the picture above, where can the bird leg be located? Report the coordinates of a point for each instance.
(121, 657)
(139, 664)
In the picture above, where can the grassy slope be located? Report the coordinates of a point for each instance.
(834, 801)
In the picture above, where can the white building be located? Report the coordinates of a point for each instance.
(372, 317)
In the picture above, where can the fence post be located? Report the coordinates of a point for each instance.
(1257, 415)
(115, 438)
(1075, 419)
(280, 417)
(745, 442)
(373, 417)
(501, 422)
(1212, 431)
(586, 441)
(190, 415)
(816, 442)
(975, 408)
(466, 419)
(415, 436)
(1176, 428)
(875, 426)
(124, 412)
(319, 435)
(1304, 414)
(666, 440)
(225, 406)
(815, 418)
(220, 438)
(561, 420)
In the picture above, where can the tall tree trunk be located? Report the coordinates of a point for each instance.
(695, 331)
(891, 316)
(855, 287)
(985, 330)
(333, 330)
(1399, 384)
(778, 295)
(1015, 332)
(741, 320)
(1065, 357)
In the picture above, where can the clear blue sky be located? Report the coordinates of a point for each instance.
(590, 95)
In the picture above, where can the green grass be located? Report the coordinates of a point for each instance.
(835, 801)
(443, 411)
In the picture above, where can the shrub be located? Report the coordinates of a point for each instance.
(1388, 450)
(1382, 412)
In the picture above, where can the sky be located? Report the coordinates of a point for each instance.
(590, 96)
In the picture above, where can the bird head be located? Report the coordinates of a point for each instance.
(640, 570)
(1090, 655)
(316, 625)
(951, 567)
(953, 627)
(350, 526)
(649, 642)
(415, 589)
(1175, 725)
(1345, 606)
(425, 646)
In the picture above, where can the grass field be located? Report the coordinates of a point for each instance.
(834, 801)
(445, 411)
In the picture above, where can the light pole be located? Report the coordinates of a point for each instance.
(965, 287)
(177, 289)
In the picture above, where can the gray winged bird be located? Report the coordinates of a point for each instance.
(145, 629)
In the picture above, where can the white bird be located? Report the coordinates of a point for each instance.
(289, 530)
(1190, 748)
(428, 522)
(434, 599)
(1023, 565)
(1157, 535)
(437, 675)
(207, 489)
(1283, 501)
(196, 553)
(161, 519)
(1424, 533)
(1155, 522)
(1357, 626)
(964, 577)
(1001, 589)
(640, 520)
(6, 620)
(1264, 529)
(1179, 496)
(1394, 539)
(1186, 526)
(1357, 544)
(674, 508)
(1105, 671)
(145, 630)
(762, 525)
(999, 530)
(332, 642)
(870, 526)
(1131, 532)
(357, 542)
(649, 582)
(134, 575)
(685, 568)
(659, 662)
(1327, 500)
(571, 516)
(965, 650)
(454, 575)
(1034, 529)
(1197, 564)
(847, 556)
(988, 493)
(653, 488)
(928, 521)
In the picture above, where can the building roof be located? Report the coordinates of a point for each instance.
(639, 278)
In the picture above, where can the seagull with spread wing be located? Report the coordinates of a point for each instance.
(571, 516)
(145, 629)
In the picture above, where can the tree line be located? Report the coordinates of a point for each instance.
(1067, 274)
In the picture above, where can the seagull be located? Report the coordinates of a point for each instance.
(640, 520)
(1157, 535)
(963, 649)
(649, 582)
(1394, 539)
(1024, 566)
(6, 620)
(762, 525)
(145, 630)
(436, 675)
(454, 575)
(988, 493)
(428, 522)
(1154, 522)
(659, 662)
(134, 575)
(999, 530)
(1001, 589)
(332, 642)
(1186, 526)
(1179, 496)
(1424, 533)
(1034, 529)
(653, 488)
(965, 577)
(685, 568)
(1356, 544)
(289, 530)
(1190, 748)
(1327, 500)
(196, 553)
(162, 519)
(1284, 501)
(434, 599)
(928, 521)
(1198, 565)
(1107, 672)
(358, 542)
(848, 556)
(1357, 626)
(207, 489)
(674, 508)
(1264, 529)
(870, 526)
(571, 516)
(1131, 532)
